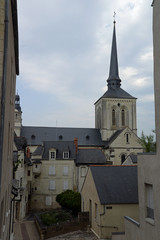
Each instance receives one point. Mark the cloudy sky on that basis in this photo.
(65, 50)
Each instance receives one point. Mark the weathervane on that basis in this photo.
(114, 16)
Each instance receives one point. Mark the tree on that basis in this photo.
(70, 200)
(148, 142)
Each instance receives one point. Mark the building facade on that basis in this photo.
(9, 68)
(148, 226)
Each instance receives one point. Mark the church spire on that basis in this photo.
(113, 79)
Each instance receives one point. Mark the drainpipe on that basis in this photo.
(4, 77)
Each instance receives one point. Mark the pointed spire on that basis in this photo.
(113, 79)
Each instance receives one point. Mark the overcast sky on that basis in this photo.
(65, 50)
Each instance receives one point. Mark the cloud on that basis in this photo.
(65, 55)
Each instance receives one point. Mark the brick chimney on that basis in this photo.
(76, 143)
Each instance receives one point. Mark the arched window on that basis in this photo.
(123, 157)
(123, 117)
(113, 117)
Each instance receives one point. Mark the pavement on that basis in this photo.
(77, 235)
(25, 230)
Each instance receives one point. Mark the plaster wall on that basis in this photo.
(41, 182)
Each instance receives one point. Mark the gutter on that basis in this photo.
(6, 23)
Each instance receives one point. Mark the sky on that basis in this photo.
(64, 57)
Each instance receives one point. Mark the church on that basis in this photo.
(60, 156)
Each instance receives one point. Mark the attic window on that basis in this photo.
(33, 136)
(87, 137)
(60, 137)
(65, 155)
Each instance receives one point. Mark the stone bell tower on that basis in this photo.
(17, 116)
(116, 109)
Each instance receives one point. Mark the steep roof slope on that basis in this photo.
(116, 184)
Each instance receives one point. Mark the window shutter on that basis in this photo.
(65, 170)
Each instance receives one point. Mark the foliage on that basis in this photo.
(53, 217)
(70, 200)
(148, 142)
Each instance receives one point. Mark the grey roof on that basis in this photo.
(133, 158)
(38, 151)
(85, 136)
(60, 148)
(114, 81)
(116, 184)
(113, 137)
(20, 142)
(90, 156)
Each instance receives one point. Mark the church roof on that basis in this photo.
(90, 156)
(116, 184)
(85, 136)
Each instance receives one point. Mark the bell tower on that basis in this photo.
(17, 116)
(116, 109)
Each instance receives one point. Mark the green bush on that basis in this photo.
(53, 217)
(70, 200)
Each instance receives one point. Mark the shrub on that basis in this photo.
(70, 200)
(53, 217)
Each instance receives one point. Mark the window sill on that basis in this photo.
(150, 221)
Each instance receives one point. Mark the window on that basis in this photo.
(123, 117)
(52, 185)
(96, 211)
(52, 170)
(29, 173)
(123, 157)
(65, 185)
(127, 138)
(52, 155)
(149, 201)
(113, 117)
(65, 155)
(83, 171)
(48, 200)
(65, 170)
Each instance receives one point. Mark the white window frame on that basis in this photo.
(65, 155)
(52, 170)
(65, 185)
(83, 171)
(52, 154)
(52, 185)
(65, 170)
(149, 201)
(48, 200)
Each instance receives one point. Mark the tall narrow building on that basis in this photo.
(116, 109)
(9, 68)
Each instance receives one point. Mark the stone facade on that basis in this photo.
(8, 71)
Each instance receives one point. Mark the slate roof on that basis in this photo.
(116, 93)
(60, 148)
(90, 156)
(86, 136)
(133, 158)
(116, 184)
(38, 151)
(20, 142)
(113, 137)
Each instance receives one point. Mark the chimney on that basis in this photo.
(28, 152)
(76, 143)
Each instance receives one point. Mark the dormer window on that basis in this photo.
(52, 154)
(65, 155)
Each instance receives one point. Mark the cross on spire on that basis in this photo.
(114, 17)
